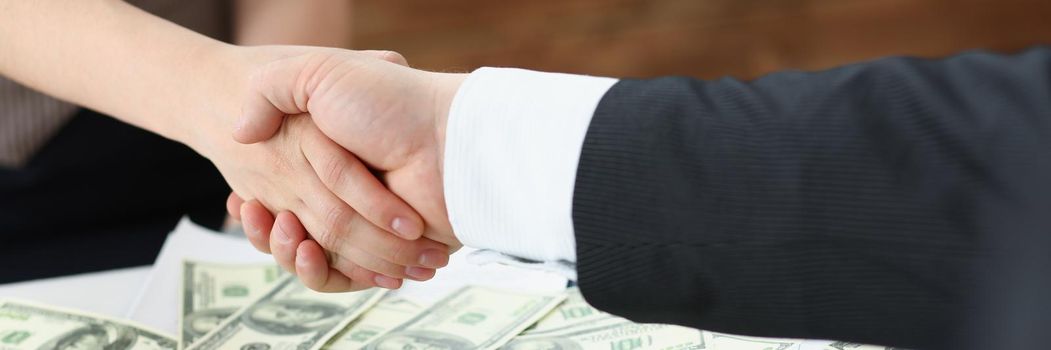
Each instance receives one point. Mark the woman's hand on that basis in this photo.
(373, 232)
(391, 116)
(280, 173)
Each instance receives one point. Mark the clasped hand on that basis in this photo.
(372, 132)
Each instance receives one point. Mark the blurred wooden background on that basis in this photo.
(701, 38)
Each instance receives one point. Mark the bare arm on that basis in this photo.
(73, 49)
(114, 58)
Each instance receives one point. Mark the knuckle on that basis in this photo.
(333, 170)
(330, 240)
(337, 219)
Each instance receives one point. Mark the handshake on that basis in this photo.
(337, 168)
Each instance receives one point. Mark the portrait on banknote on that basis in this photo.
(292, 316)
(421, 340)
(105, 336)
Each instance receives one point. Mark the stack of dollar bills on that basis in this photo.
(259, 307)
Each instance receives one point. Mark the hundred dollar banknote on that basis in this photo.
(25, 325)
(212, 292)
(574, 310)
(472, 318)
(390, 312)
(839, 345)
(576, 325)
(289, 316)
(611, 334)
(737, 342)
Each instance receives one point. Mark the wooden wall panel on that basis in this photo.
(702, 38)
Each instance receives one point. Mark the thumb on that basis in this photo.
(283, 88)
(275, 91)
(387, 55)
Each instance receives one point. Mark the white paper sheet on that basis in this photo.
(107, 292)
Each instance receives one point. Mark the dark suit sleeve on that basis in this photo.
(859, 203)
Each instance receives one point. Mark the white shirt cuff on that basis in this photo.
(513, 140)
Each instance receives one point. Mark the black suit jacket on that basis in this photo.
(897, 202)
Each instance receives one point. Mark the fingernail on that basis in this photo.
(405, 228)
(386, 282)
(433, 258)
(419, 273)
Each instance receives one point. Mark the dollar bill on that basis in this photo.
(475, 318)
(289, 316)
(212, 292)
(573, 311)
(387, 314)
(25, 325)
(611, 334)
(839, 345)
(737, 342)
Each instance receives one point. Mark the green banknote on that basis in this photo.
(387, 314)
(212, 292)
(289, 316)
(25, 325)
(573, 311)
(737, 342)
(839, 345)
(611, 334)
(472, 318)
(576, 325)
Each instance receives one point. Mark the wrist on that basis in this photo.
(222, 92)
(220, 78)
(443, 89)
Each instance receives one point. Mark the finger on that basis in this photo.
(233, 206)
(370, 248)
(258, 223)
(314, 271)
(350, 180)
(345, 243)
(285, 238)
(361, 274)
(420, 273)
(345, 231)
(373, 263)
(275, 90)
(387, 55)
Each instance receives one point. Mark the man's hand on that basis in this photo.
(291, 185)
(295, 251)
(390, 116)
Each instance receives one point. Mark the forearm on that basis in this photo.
(109, 56)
